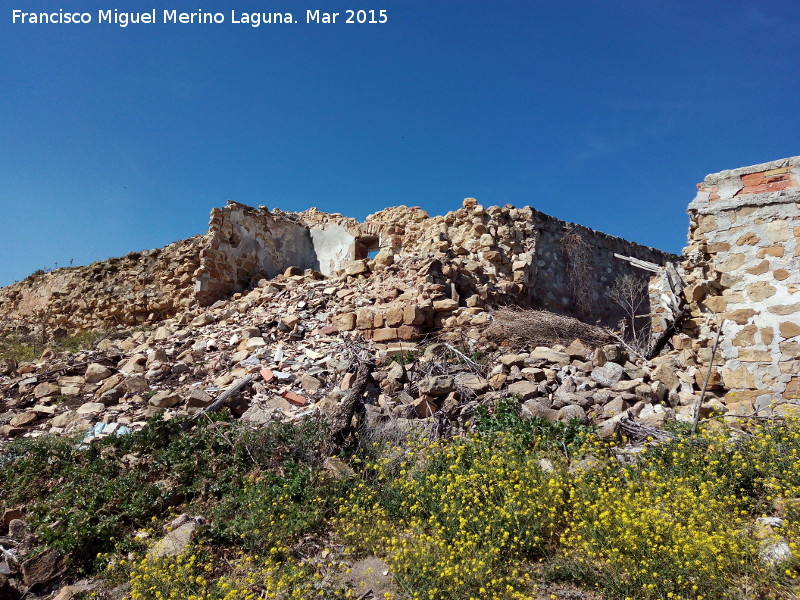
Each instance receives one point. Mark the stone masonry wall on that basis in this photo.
(426, 268)
(742, 268)
(438, 271)
(134, 289)
(245, 244)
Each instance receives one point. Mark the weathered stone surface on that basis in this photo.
(538, 409)
(174, 542)
(523, 390)
(96, 372)
(550, 355)
(42, 568)
(165, 399)
(609, 374)
(667, 376)
(472, 382)
(437, 386)
(572, 411)
(90, 408)
(24, 419)
(761, 290)
(46, 389)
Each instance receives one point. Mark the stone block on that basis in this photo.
(785, 309)
(445, 305)
(750, 355)
(408, 332)
(524, 390)
(741, 316)
(385, 334)
(394, 316)
(761, 290)
(345, 321)
(413, 315)
(789, 329)
(777, 251)
(739, 378)
(730, 263)
(364, 318)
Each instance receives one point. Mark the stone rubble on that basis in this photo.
(281, 333)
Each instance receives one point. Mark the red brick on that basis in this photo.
(295, 399)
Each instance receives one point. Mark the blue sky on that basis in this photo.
(605, 113)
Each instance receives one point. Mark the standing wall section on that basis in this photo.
(743, 270)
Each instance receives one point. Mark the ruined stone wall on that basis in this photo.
(426, 268)
(439, 271)
(131, 290)
(742, 269)
(520, 255)
(245, 244)
(576, 268)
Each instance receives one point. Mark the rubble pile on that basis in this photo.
(290, 336)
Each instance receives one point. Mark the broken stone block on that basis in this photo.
(524, 390)
(356, 267)
(538, 409)
(440, 385)
(165, 399)
(667, 376)
(445, 305)
(24, 419)
(198, 398)
(96, 372)
(310, 383)
(43, 568)
(572, 411)
(609, 374)
(46, 389)
(174, 542)
(550, 355)
(345, 321)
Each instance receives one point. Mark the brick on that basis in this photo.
(294, 398)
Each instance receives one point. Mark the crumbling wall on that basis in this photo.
(440, 271)
(576, 267)
(425, 268)
(245, 244)
(742, 269)
(140, 287)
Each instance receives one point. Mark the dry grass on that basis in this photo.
(543, 328)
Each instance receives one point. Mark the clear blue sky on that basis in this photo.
(605, 113)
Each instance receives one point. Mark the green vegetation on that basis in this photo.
(22, 347)
(493, 514)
